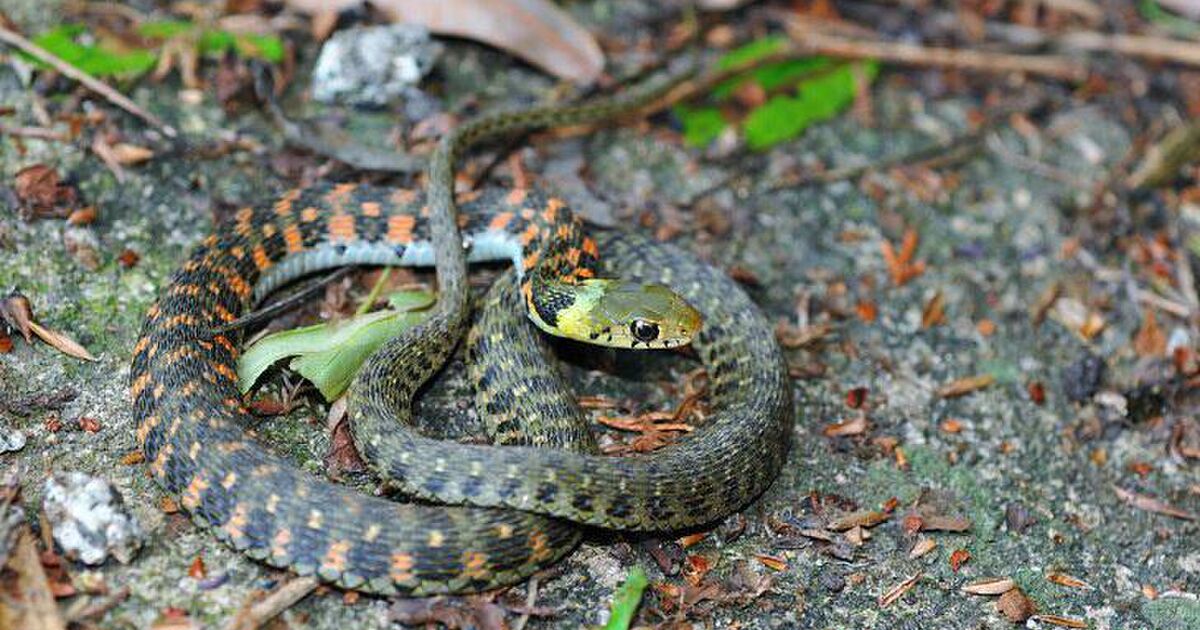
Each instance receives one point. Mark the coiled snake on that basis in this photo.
(195, 431)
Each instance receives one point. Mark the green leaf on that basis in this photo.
(701, 125)
(757, 49)
(626, 600)
(164, 29)
(330, 354)
(817, 99)
(267, 47)
(94, 59)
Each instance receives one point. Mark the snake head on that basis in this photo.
(622, 314)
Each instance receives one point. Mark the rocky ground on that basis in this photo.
(1060, 470)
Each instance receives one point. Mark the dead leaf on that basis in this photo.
(1151, 504)
(128, 154)
(898, 591)
(934, 312)
(16, 311)
(939, 523)
(41, 193)
(464, 612)
(1067, 580)
(861, 518)
(61, 342)
(82, 216)
(775, 563)
(1015, 606)
(966, 385)
(1150, 340)
(534, 30)
(34, 607)
(855, 426)
(958, 558)
(900, 265)
(89, 424)
(1058, 620)
(990, 586)
(923, 546)
(790, 336)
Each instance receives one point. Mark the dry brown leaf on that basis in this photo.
(82, 216)
(790, 336)
(127, 154)
(861, 518)
(898, 591)
(16, 311)
(775, 563)
(934, 312)
(34, 607)
(990, 586)
(1016, 606)
(1059, 620)
(61, 342)
(534, 30)
(1067, 580)
(1150, 340)
(958, 558)
(855, 426)
(966, 385)
(923, 546)
(1150, 504)
(939, 523)
(900, 265)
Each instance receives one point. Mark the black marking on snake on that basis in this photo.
(546, 492)
(340, 249)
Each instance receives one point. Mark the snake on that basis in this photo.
(503, 512)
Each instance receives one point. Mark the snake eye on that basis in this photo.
(643, 330)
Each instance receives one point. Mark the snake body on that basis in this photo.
(195, 431)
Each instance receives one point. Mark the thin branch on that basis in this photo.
(17, 41)
(255, 615)
(1056, 67)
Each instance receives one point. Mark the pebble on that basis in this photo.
(89, 519)
(373, 65)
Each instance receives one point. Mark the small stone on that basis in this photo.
(89, 519)
(373, 65)
(11, 440)
(1018, 518)
(1082, 377)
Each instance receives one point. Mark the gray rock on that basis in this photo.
(11, 440)
(89, 519)
(373, 65)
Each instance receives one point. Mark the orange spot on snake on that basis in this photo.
(261, 260)
(309, 214)
(341, 227)
(400, 229)
(371, 209)
(292, 239)
(401, 568)
(516, 196)
(500, 222)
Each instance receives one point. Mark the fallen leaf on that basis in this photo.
(83, 216)
(128, 154)
(6, 344)
(775, 563)
(40, 191)
(861, 518)
(534, 30)
(61, 342)
(990, 586)
(692, 539)
(1067, 580)
(1058, 620)
(958, 558)
(16, 311)
(866, 311)
(986, 327)
(89, 424)
(128, 258)
(939, 523)
(197, 570)
(922, 547)
(1151, 504)
(1150, 340)
(900, 265)
(966, 385)
(33, 607)
(899, 590)
(856, 397)
(132, 457)
(951, 425)
(790, 336)
(1015, 606)
(856, 426)
(1037, 392)
(934, 312)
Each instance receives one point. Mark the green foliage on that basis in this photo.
(67, 43)
(823, 88)
(626, 600)
(330, 354)
(72, 43)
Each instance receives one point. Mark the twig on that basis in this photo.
(1026, 163)
(282, 598)
(1132, 45)
(1161, 303)
(17, 41)
(86, 609)
(40, 133)
(911, 54)
(530, 600)
(287, 303)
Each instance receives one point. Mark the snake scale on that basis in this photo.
(515, 507)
